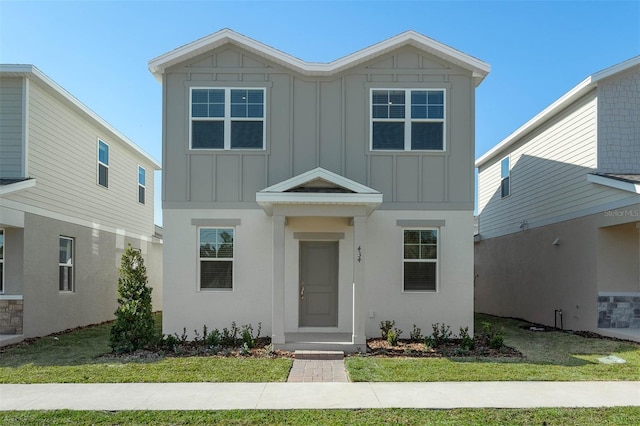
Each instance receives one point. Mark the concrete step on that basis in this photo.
(319, 355)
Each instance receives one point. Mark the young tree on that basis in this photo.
(134, 326)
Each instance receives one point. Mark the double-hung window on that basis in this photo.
(216, 258)
(420, 266)
(65, 264)
(505, 178)
(1, 261)
(141, 184)
(407, 119)
(103, 164)
(225, 118)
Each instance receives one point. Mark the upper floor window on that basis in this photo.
(141, 184)
(103, 164)
(216, 255)
(227, 118)
(65, 264)
(420, 247)
(1, 261)
(505, 178)
(407, 120)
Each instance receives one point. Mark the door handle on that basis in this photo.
(301, 291)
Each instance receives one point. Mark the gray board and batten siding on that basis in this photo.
(319, 121)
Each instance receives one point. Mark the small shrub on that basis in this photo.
(245, 350)
(270, 350)
(214, 338)
(441, 334)
(392, 337)
(169, 342)
(497, 341)
(494, 338)
(415, 334)
(184, 337)
(247, 334)
(466, 341)
(385, 327)
(230, 337)
(429, 342)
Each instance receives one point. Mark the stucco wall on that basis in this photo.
(97, 258)
(524, 275)
(251, 299)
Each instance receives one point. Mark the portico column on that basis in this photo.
(277, 315)
(359, 256)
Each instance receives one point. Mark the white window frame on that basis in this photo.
(209, 259)
(407, 118)
(4, 247)
(142, 186)
(69, 264)
(436, 261)
(506, 178)
(102, 164)
(227, 119)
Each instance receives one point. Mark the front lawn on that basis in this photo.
(618, 416)
(80, 357)
(548, 356)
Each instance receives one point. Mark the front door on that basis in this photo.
(318, 287)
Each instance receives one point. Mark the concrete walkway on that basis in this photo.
(225, 396)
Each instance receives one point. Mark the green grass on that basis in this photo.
(78, 357)
(551, 416)
(549, 356)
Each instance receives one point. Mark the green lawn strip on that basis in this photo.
(549, 416)
(548, 356)
(362, 369)
(167, 370)
(78, 357)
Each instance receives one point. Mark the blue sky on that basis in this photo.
(98, 50)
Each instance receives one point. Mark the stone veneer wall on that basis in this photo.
(618, 311)
(11, 316)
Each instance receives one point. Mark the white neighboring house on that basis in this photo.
(73, 193)
(559, 211)
(318, 198)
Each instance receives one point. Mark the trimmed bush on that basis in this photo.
(133, 328)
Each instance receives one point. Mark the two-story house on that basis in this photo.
(318, 199)
(559, 211)
(73, 193)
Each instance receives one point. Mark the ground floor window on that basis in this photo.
(420, 266)
(65, 264)
(216, 256)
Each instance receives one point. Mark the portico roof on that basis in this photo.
(319, 187)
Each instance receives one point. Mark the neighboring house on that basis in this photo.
(318, 198)
(73, 193)
(559, 211)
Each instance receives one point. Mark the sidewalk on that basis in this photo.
(226, 396)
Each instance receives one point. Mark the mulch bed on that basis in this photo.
(407, 348)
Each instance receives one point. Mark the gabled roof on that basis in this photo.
(625, 182)
(9, 185)
(31, 72)
(354, 194)
(479, 68)
(567, 99)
